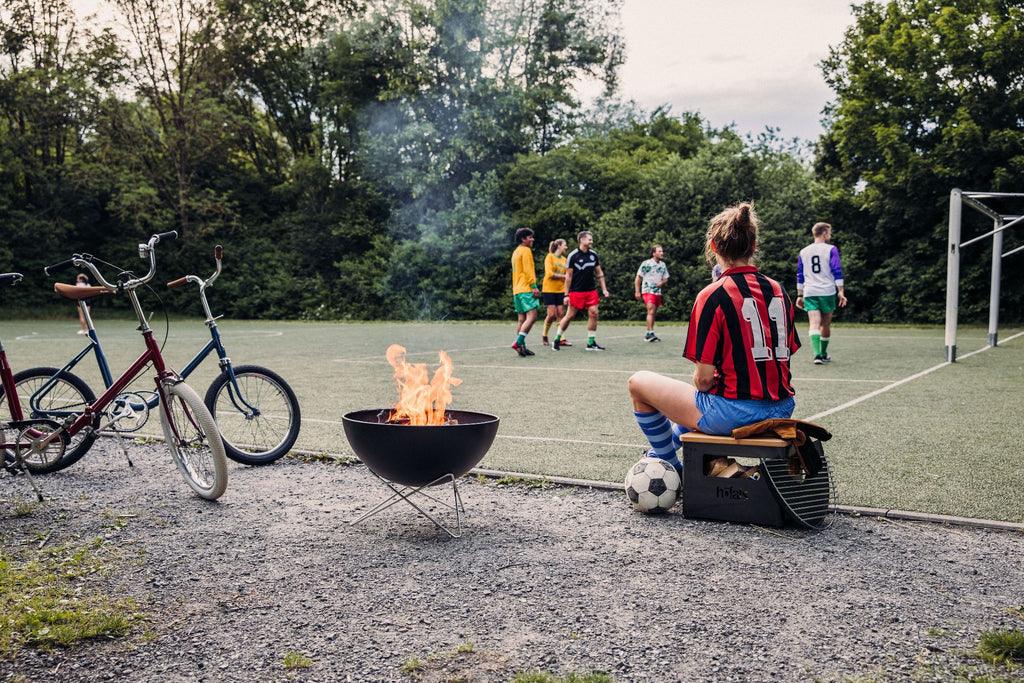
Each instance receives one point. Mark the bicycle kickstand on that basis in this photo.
(121, 443)
(28, 475)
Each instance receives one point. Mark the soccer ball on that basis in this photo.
(652, 485)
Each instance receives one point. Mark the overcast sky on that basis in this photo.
(748, 62)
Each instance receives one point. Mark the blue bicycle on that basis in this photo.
(254, 407)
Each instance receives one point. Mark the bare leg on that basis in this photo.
(530, 318)
(674, 399)
(826, 323)
(569, 315)
(651, 310)
(592, 319)
(520, 318)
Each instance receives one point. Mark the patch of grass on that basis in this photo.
(543, 677)
(296, 660)
(525, 482)
(1002, 646)
(413, 666)
(45, 601)
(464, 648)
(23, 508)
(935, 632)
(322, 458)
(146, 440)
(1017, 611)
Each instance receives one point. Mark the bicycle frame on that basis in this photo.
(215, 345)
(94, 347)
(10, 391)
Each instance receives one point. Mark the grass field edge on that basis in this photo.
(850, 510)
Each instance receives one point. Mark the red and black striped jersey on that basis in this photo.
(743, 325)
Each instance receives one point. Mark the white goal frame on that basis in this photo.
(1001, 223)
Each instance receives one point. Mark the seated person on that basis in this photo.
(740, 336)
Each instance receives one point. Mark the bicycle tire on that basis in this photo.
(194, 441)
(236, 446)
(81, 442)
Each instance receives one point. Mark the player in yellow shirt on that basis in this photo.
(553, 288)
(525, 295)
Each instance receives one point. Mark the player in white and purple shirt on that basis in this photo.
(820, 288)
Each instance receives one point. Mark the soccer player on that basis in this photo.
(819, 288)
(650, 278)
(553, 288)
(582, 272)
(740, 338)
(525, 295)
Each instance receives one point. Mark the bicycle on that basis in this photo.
(189, 429)
(255, 408)
(17, 433)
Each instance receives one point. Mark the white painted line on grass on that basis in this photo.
(515, 438)
(451, 351)
(35, 336)
(898, 383)
(556, 440)
(557, 368)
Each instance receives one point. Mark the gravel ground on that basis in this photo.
(558, 580)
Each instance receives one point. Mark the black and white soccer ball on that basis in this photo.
(652, 485)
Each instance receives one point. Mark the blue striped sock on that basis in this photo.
(677, 434)
(658, 430)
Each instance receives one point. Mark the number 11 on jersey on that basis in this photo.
(777, 313)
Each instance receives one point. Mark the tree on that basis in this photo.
(928, 97)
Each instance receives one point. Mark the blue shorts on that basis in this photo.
(722, 415)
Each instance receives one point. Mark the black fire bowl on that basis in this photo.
(414, 455)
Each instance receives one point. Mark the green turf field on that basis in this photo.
(948, 441)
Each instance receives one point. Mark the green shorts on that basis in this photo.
(825, 304)
(525, 302)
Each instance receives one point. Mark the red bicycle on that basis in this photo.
(189, 430)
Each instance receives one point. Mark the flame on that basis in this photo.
(421, 402)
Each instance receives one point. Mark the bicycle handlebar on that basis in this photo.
(10, 278)
(147, 250)
(56, 267)
(174, 284)
(218, 254)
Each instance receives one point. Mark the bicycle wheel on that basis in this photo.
(65, 394)
(194, 441)
(259, 439)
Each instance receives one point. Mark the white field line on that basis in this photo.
(516, 438)
(555, 368)
(37, 337)
(377, 356)
(898, 383)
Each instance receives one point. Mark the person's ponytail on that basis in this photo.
(732, 234)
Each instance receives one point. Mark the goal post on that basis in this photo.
(1000, 223)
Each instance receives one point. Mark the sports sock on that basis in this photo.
(590, 339)
(547, 327)
(658, 430)
(815, 336)
(521, 339)
(560, 333)
(824, 346)
(677, 435)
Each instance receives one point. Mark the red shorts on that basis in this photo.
(583, 300)
(655, 299)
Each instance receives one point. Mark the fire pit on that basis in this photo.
(420, 443)
(416, 456)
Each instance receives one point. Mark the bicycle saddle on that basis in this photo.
(76, 293)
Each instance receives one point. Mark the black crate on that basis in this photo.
(737, 499)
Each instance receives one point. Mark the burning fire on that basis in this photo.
(421, 402)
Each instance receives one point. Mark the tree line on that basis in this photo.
(372, 159)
